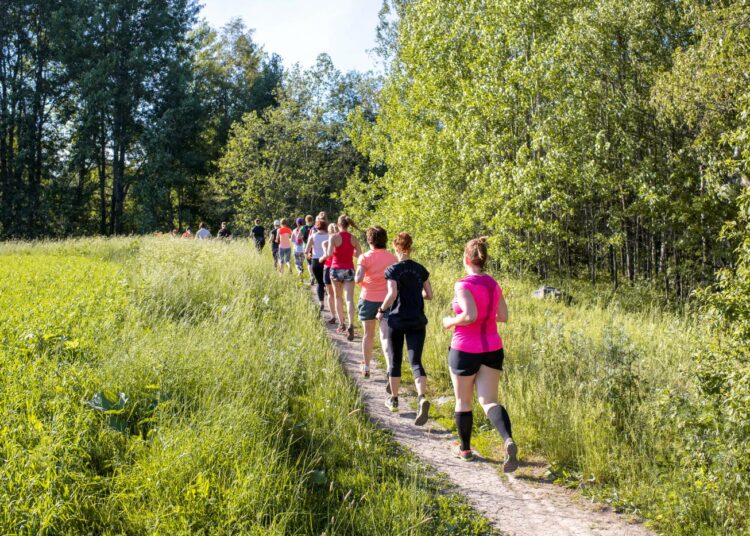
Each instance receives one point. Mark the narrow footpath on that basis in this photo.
(515, 506)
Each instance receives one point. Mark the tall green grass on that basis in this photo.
(238, 420)
(592, 387)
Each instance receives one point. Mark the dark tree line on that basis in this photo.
(112, 114)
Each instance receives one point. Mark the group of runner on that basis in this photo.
(391, 308)
(203, 232)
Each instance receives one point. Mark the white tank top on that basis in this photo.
(318, 239)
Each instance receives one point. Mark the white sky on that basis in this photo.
(299, 30)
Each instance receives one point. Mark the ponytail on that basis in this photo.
(476, 252)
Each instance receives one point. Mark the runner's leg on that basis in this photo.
(368, 340)
(463, 390)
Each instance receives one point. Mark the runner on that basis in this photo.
(408, 287)
(299, 246)
(203, 233)
(315, 251)
(187, 233)
(284, 240)
(224, 231)
(259, 234)
(476, 353)
(342, 247)
(371, 277)
(274, 235)
(307, 229)
(327, 261)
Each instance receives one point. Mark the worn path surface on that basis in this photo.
(514, 505)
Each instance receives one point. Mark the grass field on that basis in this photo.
(171, 387)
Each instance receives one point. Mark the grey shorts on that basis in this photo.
(367, 310)
(341, 276)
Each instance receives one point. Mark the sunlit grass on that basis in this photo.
(239, 418)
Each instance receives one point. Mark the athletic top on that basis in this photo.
(317, 249)
(481, 335)
(258, 233)
(202, 234)
(274, 233)
(343, 254)
(299, 244)
(375, 262)
(410, 277)
(285, 238)
(224, 233)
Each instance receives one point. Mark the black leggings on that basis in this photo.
(414, 346)
(317, 270)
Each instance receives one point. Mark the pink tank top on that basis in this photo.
(343, 254)
(481, 335)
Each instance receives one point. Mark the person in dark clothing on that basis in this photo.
(259, 235)
(403, 307)
(224, 231)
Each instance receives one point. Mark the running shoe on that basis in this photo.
(365, 370)
(350, 333)
(511, 462)
(463, 455)
(423, 410)
(392, 403)
(341, 329)
(332, 320)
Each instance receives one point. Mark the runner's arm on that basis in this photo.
(468, 310)
(427, 290)
(502, 310)
(389, 298)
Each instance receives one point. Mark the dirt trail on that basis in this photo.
(515, 505)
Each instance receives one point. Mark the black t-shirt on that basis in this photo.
(223, 233)
(259, 233)
(274, 232)
(306, 233)
(410, 277)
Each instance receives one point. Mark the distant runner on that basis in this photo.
(408, 287)
(259, 235)
(327, 261)
(275, 243)
(284, 240)
(343, 246)
(316, 252)
(298, 240)
(224, 231)
(476, 352)
(203, 233)
(187, 233)
(370, 276)
(307, 230)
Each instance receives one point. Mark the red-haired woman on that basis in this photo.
(403, 306)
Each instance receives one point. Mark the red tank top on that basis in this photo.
(342, 255)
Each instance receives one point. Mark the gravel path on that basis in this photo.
(515, 505)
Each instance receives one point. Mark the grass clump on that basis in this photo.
(238, 417)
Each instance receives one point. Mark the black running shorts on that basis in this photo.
(467, 363)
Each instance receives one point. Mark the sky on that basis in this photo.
(299, 30)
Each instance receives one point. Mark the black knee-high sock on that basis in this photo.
(464, 422)
(501, 421)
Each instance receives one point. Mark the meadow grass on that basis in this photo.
(593, 387)
(238, 417)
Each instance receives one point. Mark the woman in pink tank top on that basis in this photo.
(476, 353)
(342, 248)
